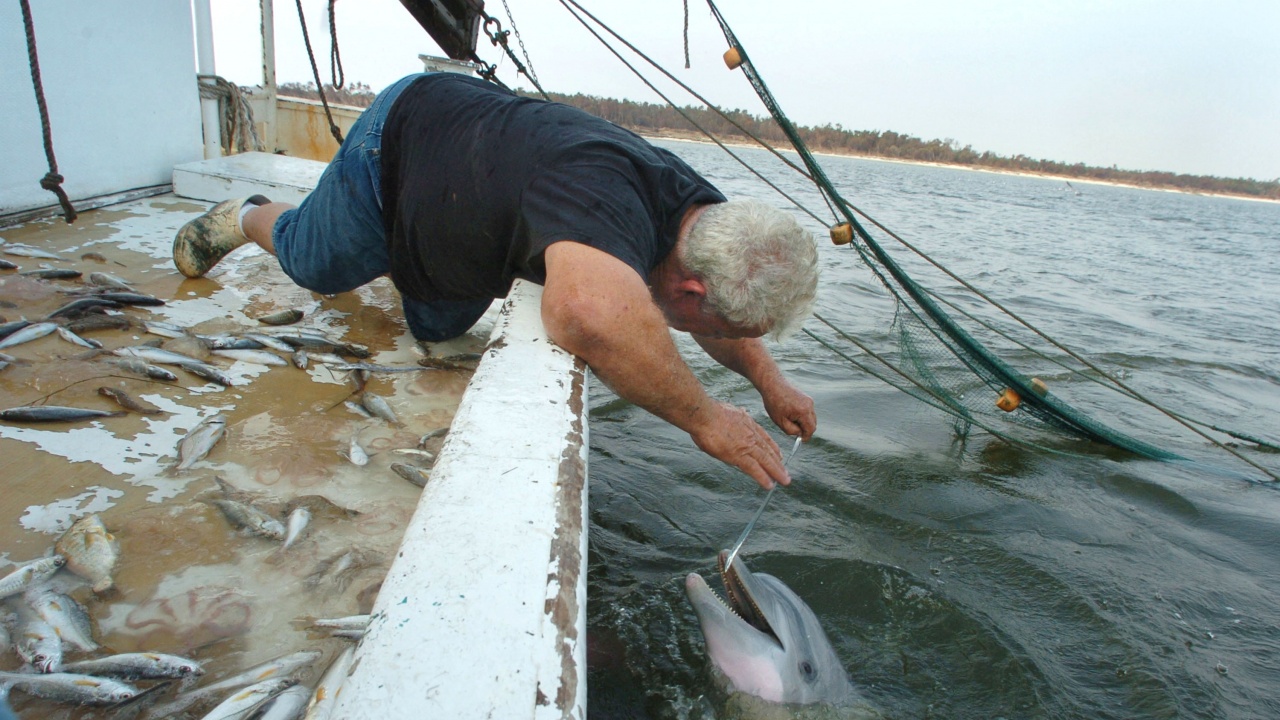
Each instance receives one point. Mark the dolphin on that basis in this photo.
(766, 642)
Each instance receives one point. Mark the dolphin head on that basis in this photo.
(766, 641)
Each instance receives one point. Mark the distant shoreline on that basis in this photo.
(690, 137)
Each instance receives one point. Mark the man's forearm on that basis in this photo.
(748, 357)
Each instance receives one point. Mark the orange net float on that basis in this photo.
(1008, 400)
(842, 234)
(732, 58)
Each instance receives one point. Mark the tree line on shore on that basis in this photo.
(658, 119)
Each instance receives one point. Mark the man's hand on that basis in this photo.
(789, 408)
(734, 438)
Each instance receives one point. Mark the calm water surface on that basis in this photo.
(969, 578)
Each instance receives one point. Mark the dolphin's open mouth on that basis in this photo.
(739, 597)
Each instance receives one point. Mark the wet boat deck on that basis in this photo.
(188, 583)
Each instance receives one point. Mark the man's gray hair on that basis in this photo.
(760, 267)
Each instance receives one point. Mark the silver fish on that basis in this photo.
(90, 551)
(32, 573)
(125, 401)
(301, 359)
(52, 273)
(239, 704)
(414, 474)
(348, 623)
(155, 355)
(28, 251)
(139, 366)
(281, 667)
(261, 357)
(65, 615)
(38, 644)
(208, 372)
(75, 339)
(288, 705)
(426, 455)
(357, 408)
(108, 280)
(251, 518)
(284, 317)
(371, 367)
(230, 342)
(355, 453)
(201, 439)
(339, 569)
(299, 519)
(138, 666)
(70, 688)
(54, 413)
(164, 329)
(438, 432)
(329, 688)
(379, 406)
(29, 333)
(270, 342)
(325, 358)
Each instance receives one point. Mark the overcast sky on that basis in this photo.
(1178, 85)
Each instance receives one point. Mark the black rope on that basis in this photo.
(686, 34)
(333, 127)
(51, 181)
(335, 57)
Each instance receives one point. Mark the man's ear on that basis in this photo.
(692, 286)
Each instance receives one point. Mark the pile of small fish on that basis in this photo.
(53, 632)
(45, 624)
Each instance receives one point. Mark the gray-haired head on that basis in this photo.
(760, 267)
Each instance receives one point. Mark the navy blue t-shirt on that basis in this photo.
(477, 182)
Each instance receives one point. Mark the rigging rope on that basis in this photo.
(924, 319)
(306, 39)
(239, 133)
(51, 181)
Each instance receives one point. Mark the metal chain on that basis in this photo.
(528, 62)
(51, 181)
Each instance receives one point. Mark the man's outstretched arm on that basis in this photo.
(788, 407)
(598, 308)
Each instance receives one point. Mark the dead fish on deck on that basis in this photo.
(329, 687)
(27, 333)
(90, 551)
(297, 522)
(69, 688)
(269, 342)
(99, 322)
(164, 329)
(131, 298)
(107, 280)
(379, 406)
(6, 265)
(313, 341)
(240, 704)
(127, 402)
(19, 250)
(249, 517)
(443, 364)
(284, 317)
(81, 306)
(201, 439)
(13, 326)
(155, 355)
(339, 569)
(207, 372)
(55, 413)
(52, 273)
(138, 366)
(75, 339)
(138, 666)
(351, 626)
(355, 453)
(321, 506)
(260, 357)
(39, 645)
(30, 574)
(371, 367)
(414, 474)
(290, 704)
(96, 257)
(281, 667)
(65, 615)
